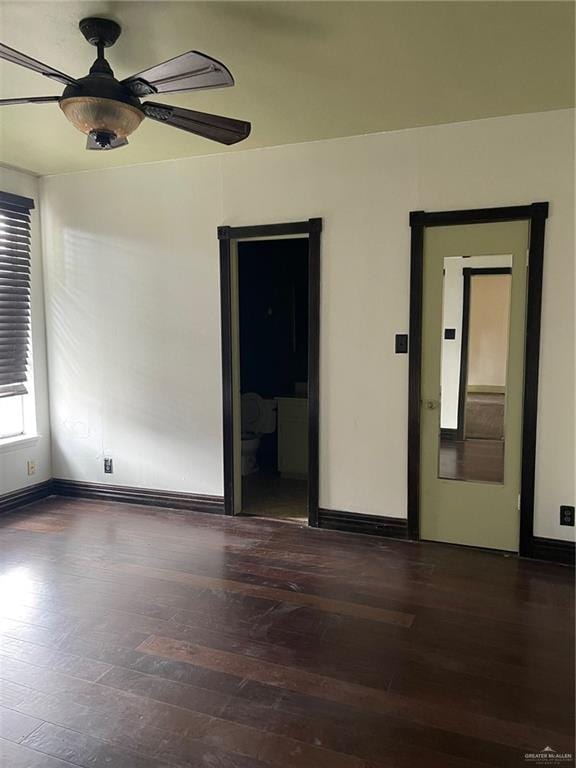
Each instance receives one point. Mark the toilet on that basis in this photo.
(258, 418)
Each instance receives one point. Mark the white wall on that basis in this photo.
(488, 332)
(131, 261)
(14, 459)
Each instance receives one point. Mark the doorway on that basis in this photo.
(273, 352)
(475, 319)
(270, 291)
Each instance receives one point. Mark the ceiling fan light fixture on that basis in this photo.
(108, 110)
(91, 114)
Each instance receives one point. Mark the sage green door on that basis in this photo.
(473, 333)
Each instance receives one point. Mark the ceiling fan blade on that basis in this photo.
(191, 71)
(91, 143)
(29, 100)
(226, 130)
(9, 54)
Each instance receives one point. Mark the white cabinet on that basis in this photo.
(293, 436)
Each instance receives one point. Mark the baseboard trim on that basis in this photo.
(552, 550)
(24, 496)
(192, 502)
(391, 527)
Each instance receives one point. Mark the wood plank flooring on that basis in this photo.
(135, 637)
(475, 460)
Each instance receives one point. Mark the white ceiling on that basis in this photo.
(304, 70)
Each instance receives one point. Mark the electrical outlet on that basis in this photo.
(108, 466)
(31, 467)
(566, 515)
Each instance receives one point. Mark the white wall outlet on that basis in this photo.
(31, 466)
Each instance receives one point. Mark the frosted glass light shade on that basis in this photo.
(89, 113)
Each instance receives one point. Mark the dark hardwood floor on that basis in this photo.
(135, 637)
(474, 460)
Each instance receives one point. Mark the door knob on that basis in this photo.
(431, 405)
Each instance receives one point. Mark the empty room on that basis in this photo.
(287, 384)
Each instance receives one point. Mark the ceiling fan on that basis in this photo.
(109, 110)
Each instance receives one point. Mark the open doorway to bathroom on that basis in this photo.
(270, 290)
(273, 331)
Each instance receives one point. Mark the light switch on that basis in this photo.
(401, 345)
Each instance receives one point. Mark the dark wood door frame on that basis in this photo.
(536, 214)
(313, 229)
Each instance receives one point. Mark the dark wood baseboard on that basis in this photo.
(392, 527)
(27, 495)
(553, 550)
(126, 494)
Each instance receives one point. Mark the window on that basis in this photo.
(14, 311)
(11, 416)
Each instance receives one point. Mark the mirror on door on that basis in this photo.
(475, 331)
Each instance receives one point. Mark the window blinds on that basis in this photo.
(14, 292)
